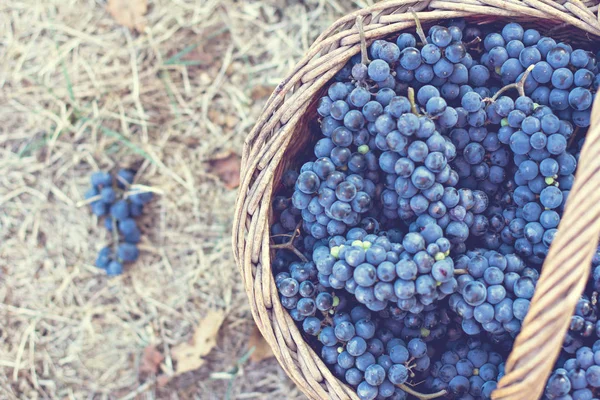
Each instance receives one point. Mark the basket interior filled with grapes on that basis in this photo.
(419, 210)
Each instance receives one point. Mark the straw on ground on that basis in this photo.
(80, 93)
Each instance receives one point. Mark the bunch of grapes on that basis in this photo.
(379, 270)
(467, 368)
(494, 293)
(579, 377)
(584, 324)
(365, 352)
(114, 199)
(543, 176)
(408, 243)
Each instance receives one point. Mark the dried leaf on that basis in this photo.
(200, 56)
(162, 380)
(223, 119)
(227, 167)
(129, 13)
(190, 141)
(190, 356)
(151, 360)
(262, 350)
(261, 92)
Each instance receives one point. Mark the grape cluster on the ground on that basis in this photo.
(409, 240)
(113, 199)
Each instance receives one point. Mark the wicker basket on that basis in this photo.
(282, 131)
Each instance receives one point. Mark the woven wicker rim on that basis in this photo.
(281, 130)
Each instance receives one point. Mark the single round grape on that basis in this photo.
(510, 70)
(356, 346)
(436, 106)
(406, 40)
(101, 178)
(443, 68)
(306, 306)
(114, 268)
(366, 391)
(558, 57)
(580, 99)
(127, 252)
(512, 31)
(529, 56)
(524, 287)
(308, 182)
(410, 58)
(398, 374)
(375, 375)
(492, 40)
(583, 78)
(474, 153)
(378, 70)
(551, 197)
(389, 52)
(399, 354)
(514, 48)
(474, 293)
(562, 78)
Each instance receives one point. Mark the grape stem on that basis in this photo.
(281, 235)
(573, 137)
(327, 320)
(364, 56)
(460, 272)
(122, 181)
(520, 86)
(138, 189)
(290, 244)
(422, 396)
(115, 235)
(88, 201)
(473, 42)
(413, 105)
(420, 31)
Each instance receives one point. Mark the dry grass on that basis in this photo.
(79, 93)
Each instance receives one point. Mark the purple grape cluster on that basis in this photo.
(407, 270)
(110, 197)
(540, 185)
(584, 324)
(365, 350)
(469, 369)
(579, 377)
(408, 242)
(494, 293)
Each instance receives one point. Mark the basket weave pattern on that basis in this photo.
(281, 131)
